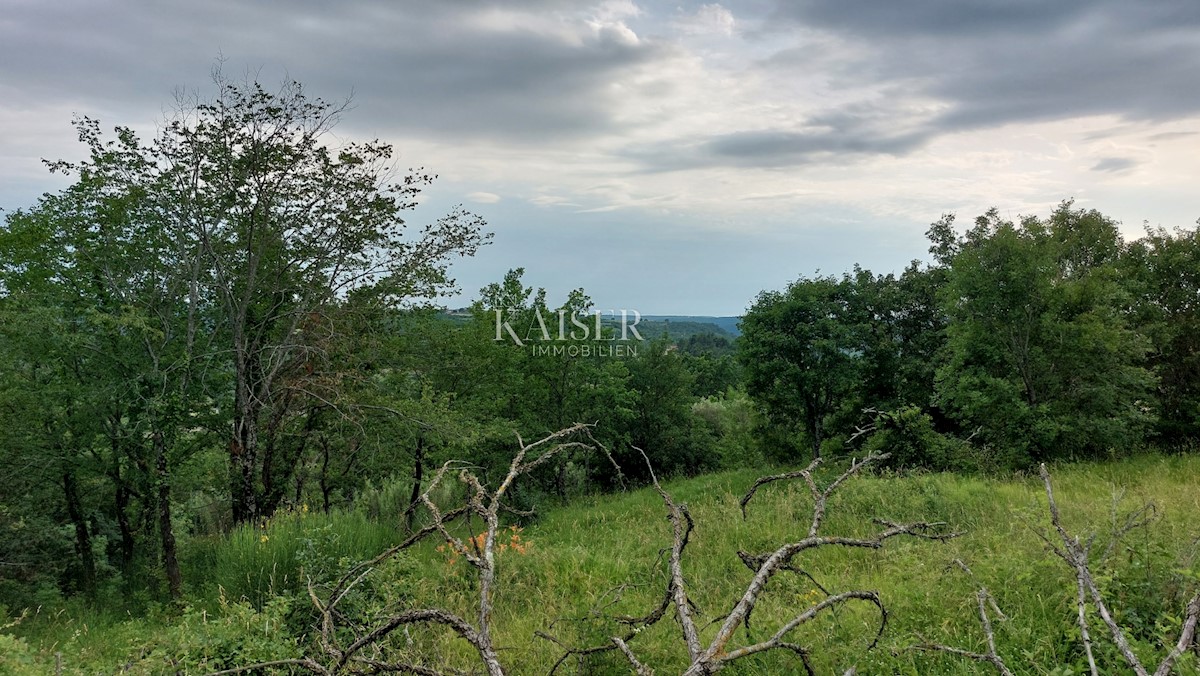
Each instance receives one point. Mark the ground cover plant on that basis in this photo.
(580, 565)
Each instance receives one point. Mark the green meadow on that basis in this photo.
(581, 564)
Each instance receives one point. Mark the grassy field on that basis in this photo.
(600, 557)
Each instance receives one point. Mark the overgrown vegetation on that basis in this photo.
(566, 584)
(223, 376)
(1048, 338)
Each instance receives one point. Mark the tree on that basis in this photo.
(1163, 273)
(1040, 357)
(801, 354)
(553, 373)
(662, 417)
(275, 236)
(903, 329)
(101, 351)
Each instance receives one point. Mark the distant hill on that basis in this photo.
(682, 326)
(678, 327)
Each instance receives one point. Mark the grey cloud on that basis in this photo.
(885, 18)
(772, 149)
(1001, 61)
(1115, 164)
(973, 19)
(1172, 135)
(865, 128)
(422, 66)
(783, 147)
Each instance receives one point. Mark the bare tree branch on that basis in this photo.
(480, 553)
(983, 599)
(638, 667)
(716, 655)
(1075, 554)
(1187, 637)
(681, 524)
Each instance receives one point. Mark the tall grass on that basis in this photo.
(256, 562)
(601, 556)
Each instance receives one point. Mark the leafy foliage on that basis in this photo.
(1163, 269)
(1040, 356)
(802, 354)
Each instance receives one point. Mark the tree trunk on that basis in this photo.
(813, 415)
(166, 530)
(281, 458)
(243, 443)
(83, 538)
(410, 514)
(127, 541)
(323, 478)
(121, 506)
(243, 451)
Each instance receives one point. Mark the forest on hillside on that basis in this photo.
(233, 324)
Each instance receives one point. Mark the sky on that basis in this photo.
(668, 157)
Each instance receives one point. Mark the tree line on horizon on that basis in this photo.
(1021, 342)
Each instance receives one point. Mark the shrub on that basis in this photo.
(908, 435)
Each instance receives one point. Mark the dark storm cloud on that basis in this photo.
(450, 68)
(1001, 61)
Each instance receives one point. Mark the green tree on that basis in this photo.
(802, 354)
(1163, 269)
(100, 346)
(1040, 357)
(902, 329)
(556, 375)
(663, 424)
(276, 233)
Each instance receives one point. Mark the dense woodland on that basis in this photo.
(233, 321)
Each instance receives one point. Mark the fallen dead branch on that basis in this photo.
(708, 656)
(984, 600)
(343, 646)
(1076, 553)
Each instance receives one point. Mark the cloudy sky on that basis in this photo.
(670, 157)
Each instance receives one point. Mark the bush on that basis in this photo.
(16, 657)
(908, 435)
(729, 419)
(237, 635)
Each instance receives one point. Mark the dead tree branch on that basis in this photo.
(983, 600)
(717, 653)
(638, 667)
(338, 655)
(1076, 555)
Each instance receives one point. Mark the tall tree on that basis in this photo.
(93, 269)
(557, 371)
(276, 232)
(801, 350)
(1163, 269)
(1040, 357)
(662, 423)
